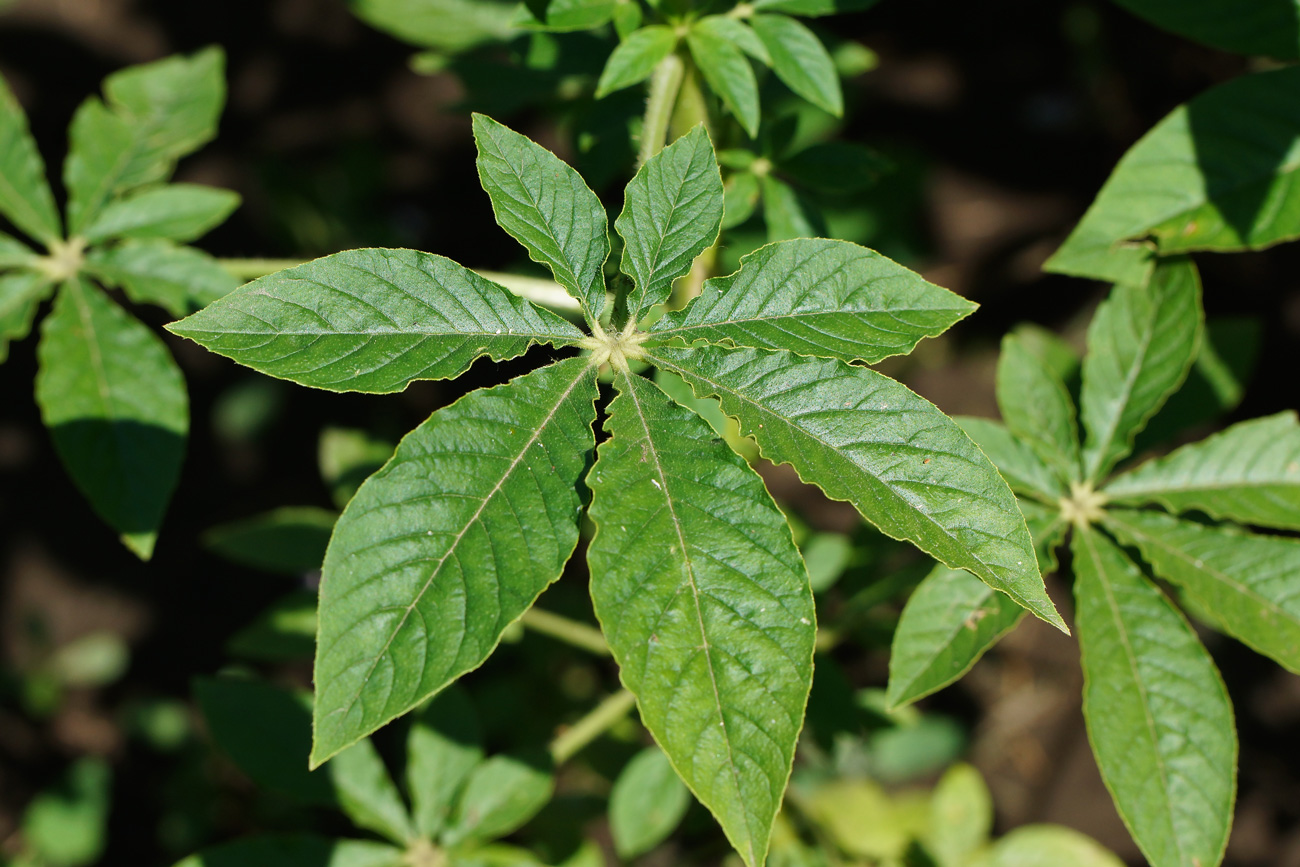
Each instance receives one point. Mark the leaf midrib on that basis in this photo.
(473, 519)
(699, 613)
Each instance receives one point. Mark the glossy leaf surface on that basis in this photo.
(705, 603)
(442, 750)
(546, 206)
(818, 297)
(447, 545)
(1248, 581)
(116, 407)
(671, 214)
(1248, 473)
(1158, 715)
(371, 320)
(864, 438)
(1141, 344)
(296, 850)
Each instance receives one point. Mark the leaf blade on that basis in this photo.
(800, 60)
(1260, 28)
(1248, 581)
(25, 196)
(21, 295)
(117, 409)
(1248, 473)
(671, 214)
(531, 190)
(715, 638)
(647, 802)
(1158, 715)
(1037, 409)
(634, 59)
(396, 661)
(175, 212)
(814, 414)
(1141, 344)
(818, 297)
(371, 320)
(728, 74)
(1024, 470)
(177, 279)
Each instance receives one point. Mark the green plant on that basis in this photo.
(109, 392)
(65, 825)
(1158, 714)
(701, 593)
(460, 800)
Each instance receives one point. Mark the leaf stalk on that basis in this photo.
(598, 720)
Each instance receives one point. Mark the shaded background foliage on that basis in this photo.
(1003, 118)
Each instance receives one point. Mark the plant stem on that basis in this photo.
(545, 293)
(598, 720)
(665, 83)
(571, 632)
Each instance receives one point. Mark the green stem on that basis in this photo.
(598, 720)
(571, 632)
(665, 83)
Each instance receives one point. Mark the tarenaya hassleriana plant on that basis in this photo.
(109, 392)
(1157, 712)
(696, 581)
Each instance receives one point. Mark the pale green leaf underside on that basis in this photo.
(372, 320)
(443, 748)
(728, 74)
(1036, 408)
(818, 297)
(546, 206)
(1218, 173)
(101, 145)
(447, 545)
(1141, 344)
(176, 212)
(21, 294)
(632, 61)
(951, 619)
(1024, 471)
(116, 407)
(296, 850)
(706, 606)
(1248, 473)
(800, 60)
(25, 197)
(646, 803)
(1249, 582)
(178, 279)
(1267, 27)
(864, 438)
(1158, 715)
(671, 214)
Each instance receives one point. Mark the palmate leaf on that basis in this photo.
(671, 214)
(14, 253)
(1217, 174)
(442, 750)
(1247, 581)
(800, 60)
(1141, 344)
(1036, 408)
(116, 407)
(546, 206)
(1267, 27)
(1248, 473)
(864, 438)
(372, 320)
(818, 297)
(1158, 715)
(499, 796)
(25, 197)
(447, 545)
(706, 606)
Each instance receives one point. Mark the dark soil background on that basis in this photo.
(1013, 112)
